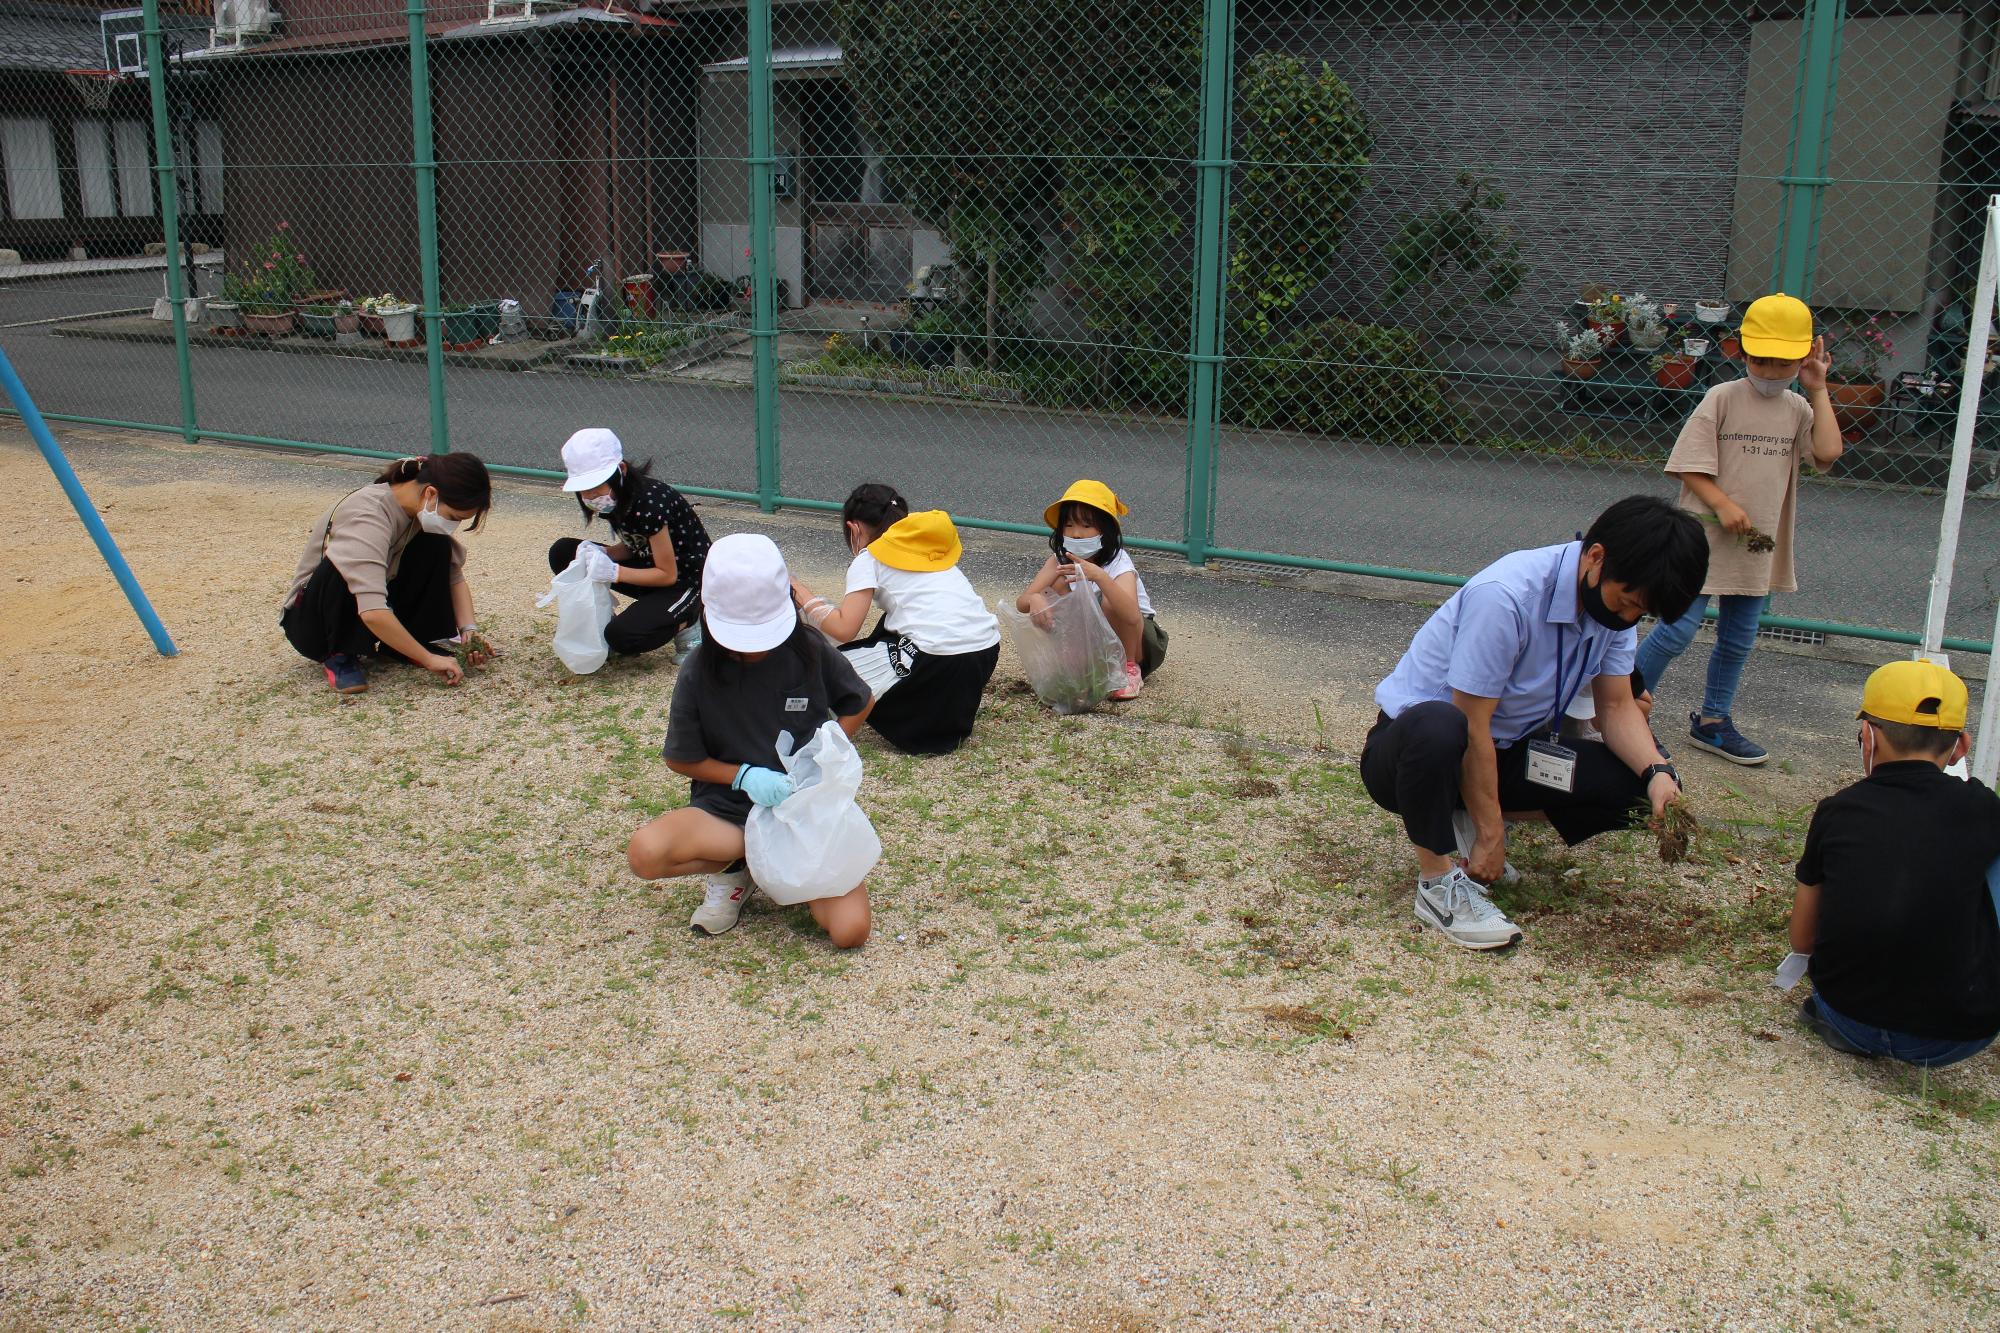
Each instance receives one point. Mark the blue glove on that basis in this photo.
(765, 786)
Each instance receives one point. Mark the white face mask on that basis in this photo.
(603, 504)
(1083, 547)
(1768, 388)
(431, 521)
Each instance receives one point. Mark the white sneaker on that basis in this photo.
(1459, 909)
(1467, 833)
(721, 903)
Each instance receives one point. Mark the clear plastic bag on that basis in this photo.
(817, 842)
(1077, 660)
(583, 609)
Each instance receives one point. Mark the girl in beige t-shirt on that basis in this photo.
(1738, 460)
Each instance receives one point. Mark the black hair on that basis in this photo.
(1919, 741)
(624, 487)
(461, 481)
(1655, 549)
(804, 642)
(1107, 528)
(875, 507)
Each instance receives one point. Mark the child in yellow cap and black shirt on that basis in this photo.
(930, 658)
(1737, 460)
(1895, 905)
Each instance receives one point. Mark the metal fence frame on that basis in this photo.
(1802, 188)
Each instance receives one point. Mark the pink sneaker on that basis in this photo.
(1133, 680)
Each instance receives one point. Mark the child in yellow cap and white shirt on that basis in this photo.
(930, 658)
(1738, 460)
(1088, 547)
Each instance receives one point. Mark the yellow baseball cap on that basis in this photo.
(1919, 694)
(922, 543)
(1093, 493)
(1777, 326)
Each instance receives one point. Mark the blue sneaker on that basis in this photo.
(344, 673)
(1724, 739)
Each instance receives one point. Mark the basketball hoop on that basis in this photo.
(92, 86)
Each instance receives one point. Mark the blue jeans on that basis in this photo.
(1735, 633)
(1930, 1052)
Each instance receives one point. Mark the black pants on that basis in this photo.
(1411, 768)
(931, 709)
(654, 616)
(325, 620)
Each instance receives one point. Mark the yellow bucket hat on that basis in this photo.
(1093, 493)
(922, 543)
(1920, 694)
(1778, 326)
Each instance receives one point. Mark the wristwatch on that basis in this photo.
(1646, 777)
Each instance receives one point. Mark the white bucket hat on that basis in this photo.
(591, 456)
(746, 592)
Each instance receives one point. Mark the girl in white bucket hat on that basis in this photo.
(760, 673)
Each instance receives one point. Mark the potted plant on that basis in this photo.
(673, 261)
(321, 318)
(1582, 351)
(368, 311)
(1674, 367)
(1605, 314)
(1711, 312)
(399, 322)
(1854, 382)
(1645, 322)
(268, 283)
(470, 322)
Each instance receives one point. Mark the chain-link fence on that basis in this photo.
(1376, 287)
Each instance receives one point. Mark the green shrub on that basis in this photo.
(1339, 377)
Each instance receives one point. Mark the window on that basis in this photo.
(208, 152)
(93, 169)
(33, 188)
(135, 174)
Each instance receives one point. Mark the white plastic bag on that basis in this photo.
(583, 609)
(817, 842)
(1077, 660)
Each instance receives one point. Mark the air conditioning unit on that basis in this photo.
(237, 21)
(517, 11)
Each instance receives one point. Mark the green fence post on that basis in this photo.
(1211, 248)
(170, 212)
(760, 166)
(1803, 186)
(423, 163)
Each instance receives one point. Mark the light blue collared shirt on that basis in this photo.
(1508, 634)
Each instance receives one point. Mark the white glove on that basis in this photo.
(598, 565)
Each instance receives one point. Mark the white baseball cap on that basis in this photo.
(746, 593)
(591, 455)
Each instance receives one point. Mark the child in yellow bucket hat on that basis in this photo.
(1895, 907)
(1088, 547)
(930, 658)
(1737, 460)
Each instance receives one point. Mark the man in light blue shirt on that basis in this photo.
(1467, 738)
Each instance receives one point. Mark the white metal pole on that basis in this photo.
(1961, 443)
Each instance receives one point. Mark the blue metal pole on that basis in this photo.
(31, 417)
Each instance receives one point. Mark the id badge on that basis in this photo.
(1552, 766)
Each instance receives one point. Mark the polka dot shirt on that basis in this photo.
(656, 505)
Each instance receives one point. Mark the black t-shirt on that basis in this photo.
(738, 716)
(1907, 937)
(656, 505)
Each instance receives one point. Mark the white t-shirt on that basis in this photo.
(1122, 564)
(938, 611)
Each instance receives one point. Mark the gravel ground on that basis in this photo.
(348, 1014)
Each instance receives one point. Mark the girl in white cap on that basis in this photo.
(660, 548)
(761, 672)
(929, 660)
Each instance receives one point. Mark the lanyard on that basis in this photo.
(1566, 697)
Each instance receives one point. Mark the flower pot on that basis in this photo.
(317, 326)
(1611, 333)
(225, 315)
(371, 323)
(1855, 406)
(673, 261)
(327, 296)
(1676, 372)
(347, 321)
(1711, 312)
(475, 324)
(639, 296)
(1732, 347)
(1580, 370)
(273, 321)
(399, 323)
(1646, 337)
(1695, 347)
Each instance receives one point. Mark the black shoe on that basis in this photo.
(1810, 1017)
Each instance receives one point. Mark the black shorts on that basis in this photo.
(935, 701)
